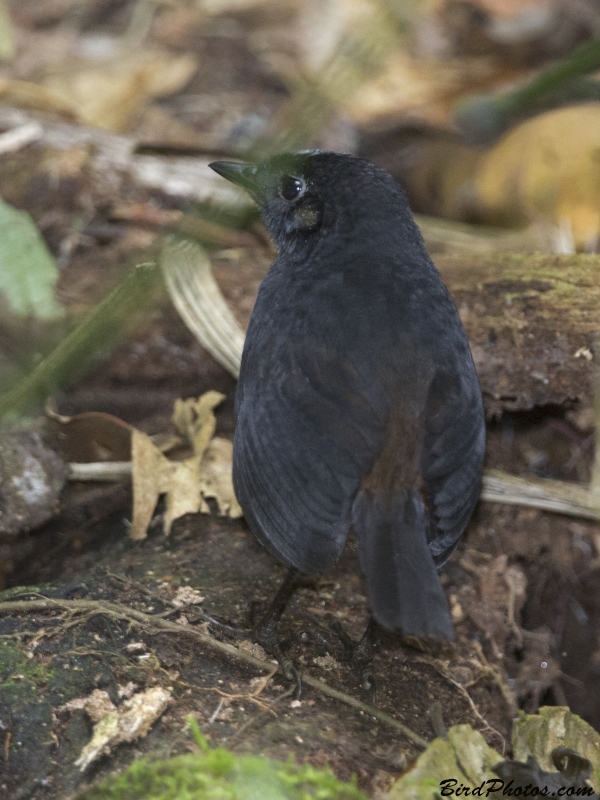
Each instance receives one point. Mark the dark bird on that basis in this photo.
(358, 405)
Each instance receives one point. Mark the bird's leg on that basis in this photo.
(357, 653)
(265, 633)
(362, 653)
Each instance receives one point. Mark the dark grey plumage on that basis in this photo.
(358, 404)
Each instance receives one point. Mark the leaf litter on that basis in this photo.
(189, 483)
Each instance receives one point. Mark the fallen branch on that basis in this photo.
(100, 471)
(158, 624)
(114, 159)
(558, 497)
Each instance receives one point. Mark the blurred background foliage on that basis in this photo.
(487, 111)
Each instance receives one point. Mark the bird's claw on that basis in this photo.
(288, 668)
(358, 655)
(265, 634)
(292, 673)
(367, 681)
(347, 643)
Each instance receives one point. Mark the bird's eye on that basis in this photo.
(291, 187)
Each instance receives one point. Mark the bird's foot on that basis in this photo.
(266, 635)
(359, 654)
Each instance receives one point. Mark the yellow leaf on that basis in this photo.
(150, 477)
(216, 480)
(187, 483)
(547, 168)
(194, 418)
(112, 94)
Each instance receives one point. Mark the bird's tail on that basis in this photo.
(404, 588)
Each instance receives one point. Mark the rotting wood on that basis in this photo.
(532, 322)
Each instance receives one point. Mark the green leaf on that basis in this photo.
(7, 41)
(464, 756)
(28, 274)
(116, 314)
(222, 775)
(554, 726)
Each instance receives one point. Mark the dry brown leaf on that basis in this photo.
(424, 90)
(131, 720)
(150, 471)
(194, 418)
(94, 436)
(187, 483)
(547, 168)
(215, 477)
(111, 94)
(23, 94)
(154, 475)
(183, 491)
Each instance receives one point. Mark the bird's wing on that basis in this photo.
(306, 433)
(452, 456)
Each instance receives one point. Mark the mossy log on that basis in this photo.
(533, 323)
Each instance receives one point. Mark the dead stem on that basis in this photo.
(559, 497)
(441, 670)
(260, 716)
(173, 608)
(151, 622)
(487, 670)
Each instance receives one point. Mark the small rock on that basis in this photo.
(32, 475)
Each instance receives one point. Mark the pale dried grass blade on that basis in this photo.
(198, 299)
(557, 496)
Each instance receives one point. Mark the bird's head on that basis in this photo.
(309, 194)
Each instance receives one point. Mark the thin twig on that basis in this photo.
(476, 711)
(217, 710)
(487, 670)
(118, 611)
(438, 667)
(173, 607)
(261, 715)
(100, 471)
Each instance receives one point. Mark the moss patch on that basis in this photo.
(221, 775)
(16, 667)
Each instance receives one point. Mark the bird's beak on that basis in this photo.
(243, 175)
